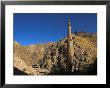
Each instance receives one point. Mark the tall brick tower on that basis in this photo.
(70, 48)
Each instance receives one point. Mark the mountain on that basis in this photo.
(51, 58)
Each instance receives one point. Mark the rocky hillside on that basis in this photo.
(51, 58)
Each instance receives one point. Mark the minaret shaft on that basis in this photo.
(69, 29)
(70, 41)
(70, 48)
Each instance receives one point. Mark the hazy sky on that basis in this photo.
(34, 28)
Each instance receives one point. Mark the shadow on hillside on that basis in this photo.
(18, 72)
(92, 71)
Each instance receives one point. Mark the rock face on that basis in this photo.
(51, 58)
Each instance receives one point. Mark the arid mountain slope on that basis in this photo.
(52, 58)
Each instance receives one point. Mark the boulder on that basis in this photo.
(78, 54)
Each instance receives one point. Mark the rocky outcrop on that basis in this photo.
(29, 70)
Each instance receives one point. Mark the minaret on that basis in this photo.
(70, 48)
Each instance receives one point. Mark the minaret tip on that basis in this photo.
(69, 21)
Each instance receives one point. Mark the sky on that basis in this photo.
(37, 28)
